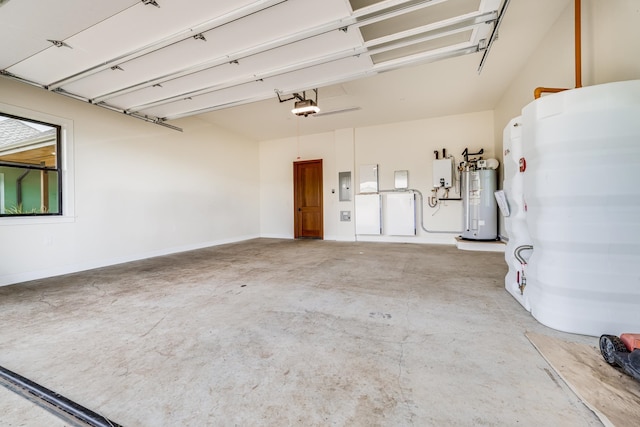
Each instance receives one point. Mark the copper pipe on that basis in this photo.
(540, 90)
(578, 55)
(578, 35)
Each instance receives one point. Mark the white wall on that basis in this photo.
(140, 190)
(276, 179)
(398, 146)
(610, 52)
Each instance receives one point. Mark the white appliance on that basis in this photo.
(479, 207)
(400, 214)
(368, 214)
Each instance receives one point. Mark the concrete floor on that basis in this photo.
(287, 333)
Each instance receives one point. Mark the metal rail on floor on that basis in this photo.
(55, 403)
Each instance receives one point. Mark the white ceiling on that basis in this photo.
(224, 61)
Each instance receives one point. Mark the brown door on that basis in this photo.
(307, 199)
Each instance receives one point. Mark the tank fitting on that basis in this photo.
(523, 283)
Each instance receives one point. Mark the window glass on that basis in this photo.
(30, 178)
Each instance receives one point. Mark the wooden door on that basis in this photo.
(307, 199)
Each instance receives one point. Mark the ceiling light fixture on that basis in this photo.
(303, 106)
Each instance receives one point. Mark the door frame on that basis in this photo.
(297, 217)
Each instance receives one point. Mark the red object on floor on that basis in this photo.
(631, 341)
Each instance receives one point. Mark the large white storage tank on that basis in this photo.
(516, 223)
(582, 150)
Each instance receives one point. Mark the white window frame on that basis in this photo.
(67, 170)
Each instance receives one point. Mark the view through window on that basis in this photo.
(30, 172)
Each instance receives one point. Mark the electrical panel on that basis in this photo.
(344, 181)
(443, 173)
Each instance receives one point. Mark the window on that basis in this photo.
(30, 167)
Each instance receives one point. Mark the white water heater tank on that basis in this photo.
(582, 151)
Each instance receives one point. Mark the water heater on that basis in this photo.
(443, 173)
(480, 211)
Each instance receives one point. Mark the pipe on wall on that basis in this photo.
(578, 54)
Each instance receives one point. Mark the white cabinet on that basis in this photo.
(368, 214)
(400, 214)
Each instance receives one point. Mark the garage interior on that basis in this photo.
(171, 286)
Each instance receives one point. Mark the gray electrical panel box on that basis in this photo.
(344, 182)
